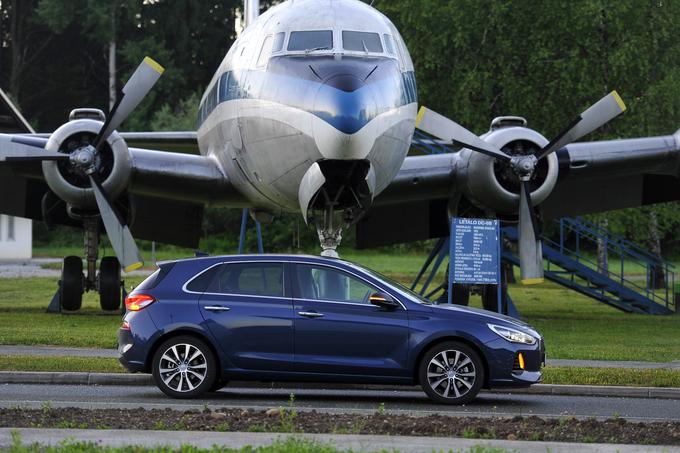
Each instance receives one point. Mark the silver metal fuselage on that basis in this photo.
(267, 116)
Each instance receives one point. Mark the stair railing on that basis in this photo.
(584, 236)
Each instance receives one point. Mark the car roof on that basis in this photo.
(260, 257)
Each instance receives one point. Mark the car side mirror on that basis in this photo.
(383, 300)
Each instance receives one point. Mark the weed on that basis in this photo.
(535, 436)
(160, 426)
(381, 409)
(257, 428)
(287, 416)
(222, 427)
(470, 434)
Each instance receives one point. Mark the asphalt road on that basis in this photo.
(359, 401)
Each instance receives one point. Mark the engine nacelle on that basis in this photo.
(113, 163)
(492, 185)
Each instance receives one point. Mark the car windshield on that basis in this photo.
(310, 40)
(412, 295)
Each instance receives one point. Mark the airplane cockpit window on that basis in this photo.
(311, 40)
(389, 44)
(265, 52)
(278, 42)
(361, 41)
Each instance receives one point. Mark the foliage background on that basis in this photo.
(474, 59)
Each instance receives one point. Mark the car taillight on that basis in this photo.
(136, 302)
(125, 325)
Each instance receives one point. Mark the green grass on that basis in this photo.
(292, 444)
(296, 444)
(23, 319)
(611, 376)
(577, 327)
(60, 363)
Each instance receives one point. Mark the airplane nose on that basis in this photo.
(345, 103)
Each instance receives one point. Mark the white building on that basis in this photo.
(16, 238)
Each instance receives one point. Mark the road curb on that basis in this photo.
(83, 378)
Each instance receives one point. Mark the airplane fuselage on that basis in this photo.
(309, 80)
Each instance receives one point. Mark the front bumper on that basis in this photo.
(503, 361)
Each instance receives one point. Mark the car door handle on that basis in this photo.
(310, 314)
(216, 308)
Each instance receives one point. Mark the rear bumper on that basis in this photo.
(134, 344)
(126, 354)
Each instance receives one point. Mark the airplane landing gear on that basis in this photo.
(329, 226)
(330, 234)
(74, 282)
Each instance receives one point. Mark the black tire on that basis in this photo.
(176, 386)
(219, 385)
(109, 283)
(490, 298)
(462, 379)
(71, 289)
(461, 294)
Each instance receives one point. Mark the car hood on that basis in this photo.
(489, 315)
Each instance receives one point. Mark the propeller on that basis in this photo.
(84, 159)
(524, 166)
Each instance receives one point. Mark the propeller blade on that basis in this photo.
(442, 127)
(134, 91)
(24, 149)
(597, 115)
(530, 250)
(119, 234)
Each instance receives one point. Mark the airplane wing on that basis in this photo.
(592, 177)
(164, 188)
(182, 142)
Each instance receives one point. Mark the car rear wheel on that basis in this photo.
(451, 373)
(184, 367)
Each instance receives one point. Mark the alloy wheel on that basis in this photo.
(451, 374)
(183, 367)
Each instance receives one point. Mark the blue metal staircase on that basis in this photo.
(570, 263)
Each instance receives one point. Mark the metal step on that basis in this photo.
(604, 288)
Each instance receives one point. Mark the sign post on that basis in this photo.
(475, 254)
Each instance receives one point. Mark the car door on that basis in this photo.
(338, 331)
(248, 310)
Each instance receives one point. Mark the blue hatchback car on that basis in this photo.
(197, 323)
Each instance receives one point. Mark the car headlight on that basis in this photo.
(512, 335)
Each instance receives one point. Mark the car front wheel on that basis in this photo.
(184, 367)
(451, 373)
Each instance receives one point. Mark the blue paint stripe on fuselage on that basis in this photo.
(346, 111)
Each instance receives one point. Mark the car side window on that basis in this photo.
(254, 279)
(325, 283)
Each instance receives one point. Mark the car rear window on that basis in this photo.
(154, 279)
(200, 283)
(256, 279)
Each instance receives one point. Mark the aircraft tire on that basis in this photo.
(71, 288)
(109, 283)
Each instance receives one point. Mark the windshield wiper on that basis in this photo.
(308, 51)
